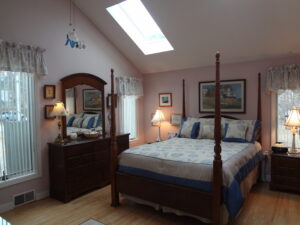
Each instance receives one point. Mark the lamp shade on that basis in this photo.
(294, 118)
(59, 110)
(158, 117)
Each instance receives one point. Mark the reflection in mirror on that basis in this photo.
(84, 107)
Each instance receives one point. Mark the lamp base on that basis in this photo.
(59, 140)
(294, 151)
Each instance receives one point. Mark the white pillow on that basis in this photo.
(77, 122)
(206, 131)
(235, 132)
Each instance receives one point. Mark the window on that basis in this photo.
(128, 113)
(17, 125)
(285, 101)
(137, 22)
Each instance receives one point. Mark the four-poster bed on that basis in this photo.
(175, 194)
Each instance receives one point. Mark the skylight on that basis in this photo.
(137, 22)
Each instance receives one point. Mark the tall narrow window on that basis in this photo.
(17, 125)
(128, 112)
(286, 99)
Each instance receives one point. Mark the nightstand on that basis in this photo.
(285, 172)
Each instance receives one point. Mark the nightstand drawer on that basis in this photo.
(286, 181)
(288, 172)
(285, 162)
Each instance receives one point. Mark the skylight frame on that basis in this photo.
(140, 26)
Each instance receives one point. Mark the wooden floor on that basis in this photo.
(262, 207)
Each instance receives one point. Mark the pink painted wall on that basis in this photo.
(44, 23)
(172, 82)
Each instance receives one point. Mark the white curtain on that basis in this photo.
(17, 125)
(130, 86)
(283, 77)
(128, 115)
(128, 90)
(22, 58)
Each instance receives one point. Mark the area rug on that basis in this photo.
(91, 222)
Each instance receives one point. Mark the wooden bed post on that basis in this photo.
(183, 99)
(217, 164)
(114, 147)
(259, 104)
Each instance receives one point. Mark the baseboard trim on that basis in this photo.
(10, 205)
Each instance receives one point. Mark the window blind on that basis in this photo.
(128, 119)
(17, 125)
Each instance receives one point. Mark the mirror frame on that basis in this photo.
(82, 79)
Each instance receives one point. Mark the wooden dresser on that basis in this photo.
(285, 172)
(81, 166)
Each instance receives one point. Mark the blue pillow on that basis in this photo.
(70, 121)
(195, 130)
(256, 131)
(99, 120)
(90, 123)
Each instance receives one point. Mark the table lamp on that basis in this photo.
(156, 120)
(59, 111)
(293, 121)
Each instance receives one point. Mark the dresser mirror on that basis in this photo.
(83, 96)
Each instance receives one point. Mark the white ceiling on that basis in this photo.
(242, 30)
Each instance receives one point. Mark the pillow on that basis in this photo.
(189, 127)
(77, 122)
(253, 127)
(206, 131)
(70, 120)
(235, 132)
(88, 122)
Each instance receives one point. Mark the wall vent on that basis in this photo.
(23, 198)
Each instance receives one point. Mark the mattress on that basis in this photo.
(188, 162)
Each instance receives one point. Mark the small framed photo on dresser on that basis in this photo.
(165, 99)
(49, 91)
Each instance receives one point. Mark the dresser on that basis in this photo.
(285, 172)
(80, 166)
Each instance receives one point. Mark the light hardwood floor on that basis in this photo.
(262, 207)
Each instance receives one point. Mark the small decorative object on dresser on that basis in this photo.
(285, 172)
(49, 91)
(176, 119)
(165, 99)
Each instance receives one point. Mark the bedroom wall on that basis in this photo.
(44, 23)
(172, 82)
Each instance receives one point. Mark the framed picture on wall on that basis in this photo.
(92, 100)
(233, 96)
(47, 110)
(176, 119)
(49, 91)
(165, 99)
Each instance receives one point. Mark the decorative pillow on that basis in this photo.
(70, 120)
(77, 122)
(206, 131)
(187, 126)
(235, 132)
(253, 127)
(88, 122)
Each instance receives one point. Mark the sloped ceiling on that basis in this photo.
(242, 30)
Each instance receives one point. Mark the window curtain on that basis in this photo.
(128, 90)
(22, 58)
(284, 77)
(129, 86)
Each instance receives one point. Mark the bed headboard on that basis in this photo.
(224, 116)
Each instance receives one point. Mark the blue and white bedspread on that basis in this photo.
(188, 162)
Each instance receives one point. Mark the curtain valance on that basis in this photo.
(130, 86)
(22, 58)
(283, 77)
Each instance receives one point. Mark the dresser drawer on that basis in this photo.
(79, 149)
(79, 160)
